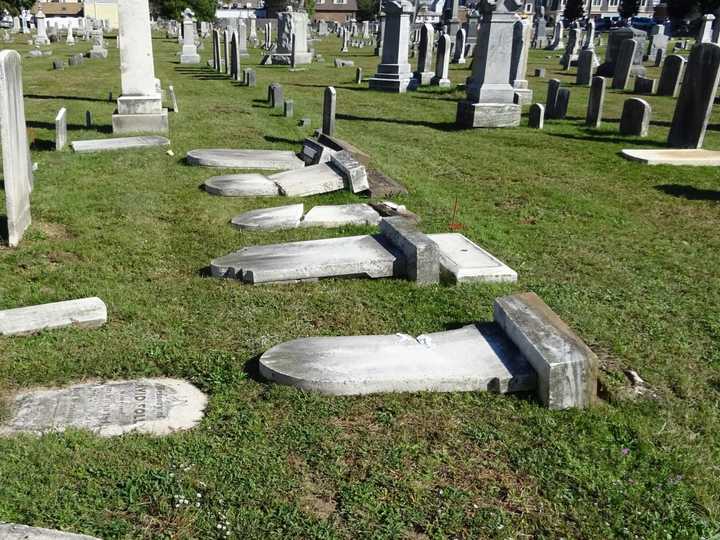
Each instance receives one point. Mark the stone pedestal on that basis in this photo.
(98, 49)
(189, 53)
(42, 37)
(393, 74)
(490, 97)
(140, 105)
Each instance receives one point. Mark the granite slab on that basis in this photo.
(119, 143)
(245, 159)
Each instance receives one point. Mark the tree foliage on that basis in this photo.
(172, 9)
(368, 9)
(574, 9)
(628, 8)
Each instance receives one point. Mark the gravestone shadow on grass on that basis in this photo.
(42, 145)
(689, 192)
(441, 126)
(607, 138)
(64, 98)
(272, 139)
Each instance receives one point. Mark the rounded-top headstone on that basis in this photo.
(154, 406)
(242, 185)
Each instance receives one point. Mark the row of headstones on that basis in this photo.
(276, 100)
(227, 54)
(424, 75)
(692, 111)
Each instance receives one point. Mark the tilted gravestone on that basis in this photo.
(596, 100)
(17, 167)
(694, 105)
(624, 64)
(585, 67)
(635, 119)
(671, 76)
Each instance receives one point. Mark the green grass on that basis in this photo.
(627, 254)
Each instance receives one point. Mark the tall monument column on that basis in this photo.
(140, 105)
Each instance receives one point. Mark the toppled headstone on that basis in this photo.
(472, 358)
(421, 254)
(269, 219)
(85, 313)
(242, 185)
(154, 406)
(245, 159)
(13, 531)
(674, 156)
(340, 215)
(463, 261)
(340, 63)
(119, 143)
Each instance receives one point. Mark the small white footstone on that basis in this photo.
(341, 214)
(245, 159)
(312, 180)
(270, 219)
(468, 262)
(313, 259)
(674, 156)
(467, 359)
(122, 143)
(12, 531)
(85, 313)
(154, 406)
(241, 185)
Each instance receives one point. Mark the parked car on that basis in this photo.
(642, 23)
(607, 23)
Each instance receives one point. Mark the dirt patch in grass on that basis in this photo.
(53, 231)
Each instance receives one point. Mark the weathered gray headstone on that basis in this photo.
(551, 99)
(424, 73)
(329, 105)
(561, 105)
(585, 67)
(671, 76)
(540, 72)
(393, 74)
(624, 63)
(643, 85)
(596, 100)
(275, 95)
(17, 167)
(118, 143)
(442, 65)
(154, 406)
(173, 99)
(340, 215)
(241, 185)
(269, 219)
(536, 116)
(289, 108)
(459, 55)
(635, 119)
(245, 159)
(422, 256)
(358, 76)
(694, 105)
(61, 129)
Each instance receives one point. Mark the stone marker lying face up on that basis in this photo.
(528, 348)
(399, 251)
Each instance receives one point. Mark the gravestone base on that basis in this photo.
(136, 123)
(392, 78)
(478, 115)
(523, 96)
(99, 53)
(190, 59)
(424, 78)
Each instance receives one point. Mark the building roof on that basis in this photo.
(329, 5)
(58, 9)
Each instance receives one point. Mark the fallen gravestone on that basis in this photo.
(245, 159)
(120, 143)
(674, 156)
(399, 251)
(527, 348)
(242, 185)
(270, 219)
(13, 531)
(291, 217)
(153, 406)
(85, 313)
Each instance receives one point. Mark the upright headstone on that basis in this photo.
(227, 36)
(189, 54)
(442, 64)
(41, 38)
(657, 41)
(694, 105)
(234, 57)
(612, 51)
(358, 75)
(70, 39)
(584, 68)
(217, 55)
(98, 49)
(473, 25)
(635, 119)
(424, 72)
(551, 99)
(293, 23)
(17, 167)
(706, 28)
(536, 116)
(173, 99)
(562, 103)
(572, 48)
(393, 74)
(140, 105)
(557, 41)
(329, 104)
(624, 64)
(459, 55)
(275, 95)
(490, 97)
(518, 65)
(242, 38)
(596, 100)
(61, 129)
(540, 29)
(589, 43)
(671, 76)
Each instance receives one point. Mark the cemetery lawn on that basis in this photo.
(628, 255)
